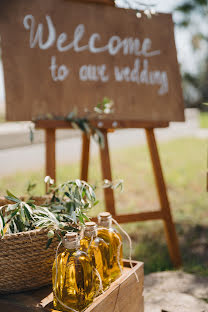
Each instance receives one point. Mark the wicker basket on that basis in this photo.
(24, 261)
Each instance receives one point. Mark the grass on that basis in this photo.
(184, 163)
(2, 117)
(203, 119)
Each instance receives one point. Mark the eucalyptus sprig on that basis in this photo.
(105, 107)
(116, 184)
(73, 198)
(16, 217)
(64, 209)
(85, 126)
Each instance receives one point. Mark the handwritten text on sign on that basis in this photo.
(139, 74)
(58, 55)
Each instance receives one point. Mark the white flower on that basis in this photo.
(49, 180)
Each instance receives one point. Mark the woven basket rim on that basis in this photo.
(22, 197)
(38, 231)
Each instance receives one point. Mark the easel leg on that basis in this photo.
(171, 235)
(50, 153)
(106, 174)
(85, 157)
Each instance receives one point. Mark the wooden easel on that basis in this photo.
(164, 213)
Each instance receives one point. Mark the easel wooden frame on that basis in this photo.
(164, 213)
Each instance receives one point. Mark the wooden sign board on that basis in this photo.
(58, 55)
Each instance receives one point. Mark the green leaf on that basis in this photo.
(15, 200)
(1, 226)
(49, 242)
(30, 187)
(81, 219)
(14, 213)
(74, 217)
(12, 195)
(27, 213)
(186, 7)
(85, 216)
(22, 214)
(58, 236)
(96, 202)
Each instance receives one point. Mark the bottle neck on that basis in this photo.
(90, 233)
(105, 222)
(71, 245)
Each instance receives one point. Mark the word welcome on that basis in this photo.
(128, 45)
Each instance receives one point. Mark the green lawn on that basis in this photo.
(2, 118)
(203, 119)
(184, 163)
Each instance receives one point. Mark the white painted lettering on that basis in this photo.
(92, 47)
(29, 23)
(147, 43)
(114, 45)
(58, 73)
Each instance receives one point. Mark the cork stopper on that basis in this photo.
(104, 215)
(90, 224)
(71, 236)
(71, 240)
(90, 229)
(105, 219)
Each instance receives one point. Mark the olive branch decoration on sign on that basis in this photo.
(105, 107)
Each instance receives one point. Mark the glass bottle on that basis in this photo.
(73, 277)
(98, 251)
(114, 240)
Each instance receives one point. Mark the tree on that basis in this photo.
(193, 15)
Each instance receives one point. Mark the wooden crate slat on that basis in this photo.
(119, 294)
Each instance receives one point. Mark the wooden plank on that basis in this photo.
(41, 300)
(25, 301)
(50, 152)
(109, 300)
(141, 216)
(105, 124)
(170, 230)
(106, 174)
(12, 307)
(85, 157)
(107, 2)
(84, 57)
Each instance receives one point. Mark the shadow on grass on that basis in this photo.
(149, 246)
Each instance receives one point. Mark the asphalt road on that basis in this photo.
(68, 150)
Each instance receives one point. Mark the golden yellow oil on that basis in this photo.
(114, 240)
(98, 251)
(75, 285)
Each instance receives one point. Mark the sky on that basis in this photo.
(185, 54)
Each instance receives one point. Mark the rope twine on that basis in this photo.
(130, 248)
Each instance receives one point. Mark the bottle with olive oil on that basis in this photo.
(98, 251)
(73, 277)
(114, 240)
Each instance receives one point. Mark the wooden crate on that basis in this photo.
(124, 295)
